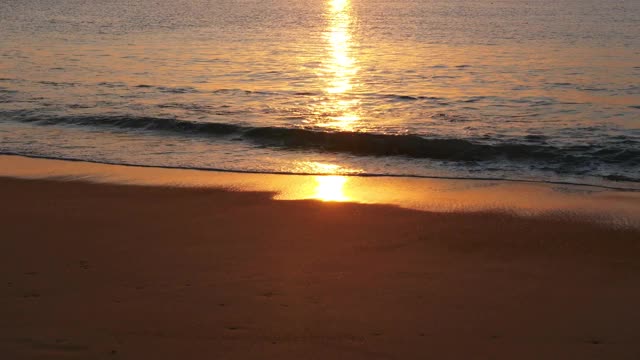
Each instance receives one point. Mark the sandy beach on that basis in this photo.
(319, 180)
(97, 270)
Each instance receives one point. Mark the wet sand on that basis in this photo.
(92, 271)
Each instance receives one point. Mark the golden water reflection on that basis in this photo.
(319, 168)
(338, 110)
(340, 64)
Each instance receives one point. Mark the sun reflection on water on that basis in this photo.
(340, 70)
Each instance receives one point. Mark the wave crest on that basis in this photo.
(371, 144)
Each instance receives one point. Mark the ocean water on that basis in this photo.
(510, 89)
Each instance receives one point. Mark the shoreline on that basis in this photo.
(618, 208)
(349, 174)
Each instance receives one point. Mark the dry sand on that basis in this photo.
(93, 271)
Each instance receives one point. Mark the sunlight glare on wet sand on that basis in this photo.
(330, 188)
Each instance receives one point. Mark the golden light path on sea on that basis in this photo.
(338, 110)
(339, 72)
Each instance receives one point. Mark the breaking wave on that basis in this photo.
(373, 144)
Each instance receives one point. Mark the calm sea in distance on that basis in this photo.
(511, 89)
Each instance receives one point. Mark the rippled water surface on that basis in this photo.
(541, 90)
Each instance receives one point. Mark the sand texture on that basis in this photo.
(95, 271)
